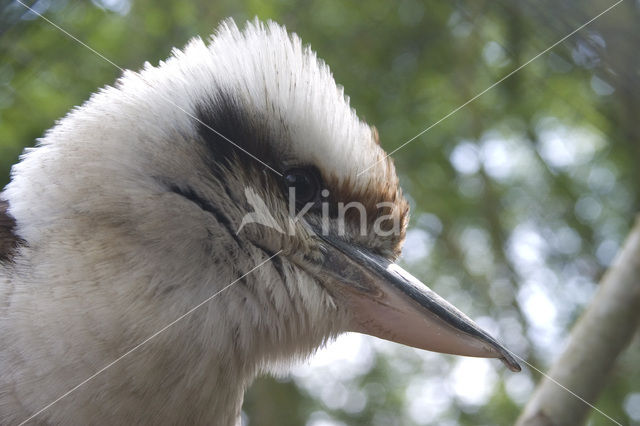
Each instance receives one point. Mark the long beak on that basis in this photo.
(386, 301)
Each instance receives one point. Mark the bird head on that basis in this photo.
(232, 153)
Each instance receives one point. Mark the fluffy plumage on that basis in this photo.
(127, 210)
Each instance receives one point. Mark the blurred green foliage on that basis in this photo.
(520, 198)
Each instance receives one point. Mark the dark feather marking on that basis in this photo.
(9, 241)
(231, 133)
(276, 262)
(205, 205)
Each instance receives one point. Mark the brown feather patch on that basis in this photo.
(375, 135)
(9, 241)
(394, 207)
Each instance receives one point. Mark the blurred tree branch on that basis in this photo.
(597, 339)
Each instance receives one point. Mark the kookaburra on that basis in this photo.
(127, 215)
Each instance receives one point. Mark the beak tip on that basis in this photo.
(511, 362)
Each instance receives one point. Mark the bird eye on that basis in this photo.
(305, 183)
